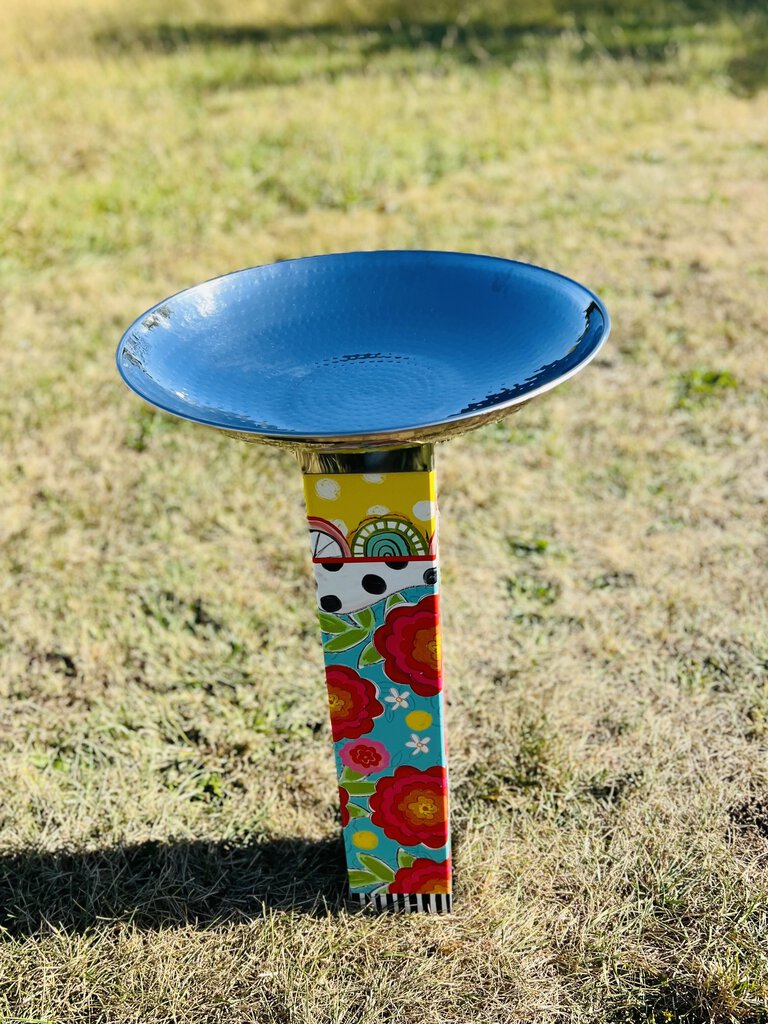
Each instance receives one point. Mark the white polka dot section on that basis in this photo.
(424, 511)
(373, 478)
(341, 525)
(327, 489)
(378, 510)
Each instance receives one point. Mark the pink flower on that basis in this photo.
(365, 756)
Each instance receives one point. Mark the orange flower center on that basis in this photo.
(424, 807)
(337, 703)
(426, 647)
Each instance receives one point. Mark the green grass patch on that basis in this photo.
(169, 838)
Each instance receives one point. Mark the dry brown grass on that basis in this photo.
(168, 824)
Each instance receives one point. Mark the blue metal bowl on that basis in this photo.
(362, 349)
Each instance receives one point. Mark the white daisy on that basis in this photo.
(397, 698)
(420, 744)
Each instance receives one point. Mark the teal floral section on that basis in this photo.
(386, 702)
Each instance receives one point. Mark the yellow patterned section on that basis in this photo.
(347, 499)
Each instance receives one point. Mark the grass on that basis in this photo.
(168, 830)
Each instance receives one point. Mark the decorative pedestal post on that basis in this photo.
(359, 363)
(374, 549)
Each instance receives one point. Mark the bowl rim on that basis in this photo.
(412, 433)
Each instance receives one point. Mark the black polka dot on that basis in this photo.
(396, 565)
(373, 584)
(430, 577)
(333, 566)
(330, 603)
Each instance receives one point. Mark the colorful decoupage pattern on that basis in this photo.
(374, 549)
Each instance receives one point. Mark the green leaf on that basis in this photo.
(365, 618)
(358, 878)
(377, 867)
(344, 641)
(369, 656)
(360, 788)
(332, 623)
(404, 859)
(393, 600)
(348, 775)
(356, 812)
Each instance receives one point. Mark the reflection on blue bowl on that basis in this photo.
(362, 348)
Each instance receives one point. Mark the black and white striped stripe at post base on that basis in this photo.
(425, 903)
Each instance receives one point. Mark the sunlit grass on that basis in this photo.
(166, 765)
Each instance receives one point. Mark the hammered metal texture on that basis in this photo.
(362, 349)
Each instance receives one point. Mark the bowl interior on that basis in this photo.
(361, 345)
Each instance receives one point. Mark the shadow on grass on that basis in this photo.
(647, 33)
(372, 38)
(169, 884)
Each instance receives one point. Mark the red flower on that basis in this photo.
(423, 876)
(409, 642)
(411, 806)
(343, 801)
(352, 701)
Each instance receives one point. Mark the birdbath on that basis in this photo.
(359, 362)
